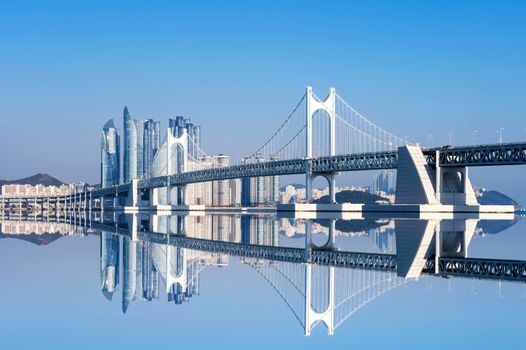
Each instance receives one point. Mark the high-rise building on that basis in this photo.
(133, 165)
(385, 182)
(109, 263)
(139, 127)
(152, 142)
(260, 230)
(263, 190)
(221, 195)
(130, 147)
(196, 135)
(177, 125)
(189, 126)
(110, 155)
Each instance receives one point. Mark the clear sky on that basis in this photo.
(237, 68)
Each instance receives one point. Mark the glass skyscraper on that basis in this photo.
(139, 127)
(109, 263)
(152, 142)
(133, 165)
(259, 190)
(130, 147)
(178, 124)
(110, 155)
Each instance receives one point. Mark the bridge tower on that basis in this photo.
(176, 162)
(176, 267)
(312, 317)
(329, 106)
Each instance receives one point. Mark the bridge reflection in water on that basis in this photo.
(319, 285)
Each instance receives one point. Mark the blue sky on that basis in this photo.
(413, 67)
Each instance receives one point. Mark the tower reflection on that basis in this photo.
(327, 287)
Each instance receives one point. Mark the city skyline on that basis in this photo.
(480, 84)
(239, 174)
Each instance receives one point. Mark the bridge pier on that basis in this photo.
(331, 239)
(132, 200)
(417, 182)
(417, 241)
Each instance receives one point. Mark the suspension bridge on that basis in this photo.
(319, 137)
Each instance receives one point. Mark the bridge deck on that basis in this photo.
(481, 155)
(509, 270)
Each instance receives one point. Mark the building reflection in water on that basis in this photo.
(314, 293)
(109, 263)
(318, 286)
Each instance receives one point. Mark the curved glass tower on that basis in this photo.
(130, 147)
(109, 263)
(110, 155)
(133, 166)
(139, 130)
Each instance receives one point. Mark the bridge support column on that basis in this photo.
(331, 178)
(154, 197)
(181, 195)
(133, 224)
(454, 186)
(419, 183)
(331, 239)
(169, 192)
(133, 194)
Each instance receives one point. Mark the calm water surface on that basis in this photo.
(139, 281)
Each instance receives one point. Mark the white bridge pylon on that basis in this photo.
(314, 105)
(319, 294)
(329, 106)
(312, 317)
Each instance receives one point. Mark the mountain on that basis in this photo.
(359, 197)
(495, 226)
(496, 198)
(38, 239)
(354, 225)
(38, 179)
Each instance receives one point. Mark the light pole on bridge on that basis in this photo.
(474, 136)
(499, 132)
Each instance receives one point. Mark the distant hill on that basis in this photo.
(358, 197)
(496, 198)
(40, 239)
(38, 179)
(495, 226)
(354, 225)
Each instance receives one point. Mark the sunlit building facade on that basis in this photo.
(152, 142)
(133, 165)
(109, 263)
(110, 155)
(262, 190)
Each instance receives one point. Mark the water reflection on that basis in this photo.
(310, 263)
